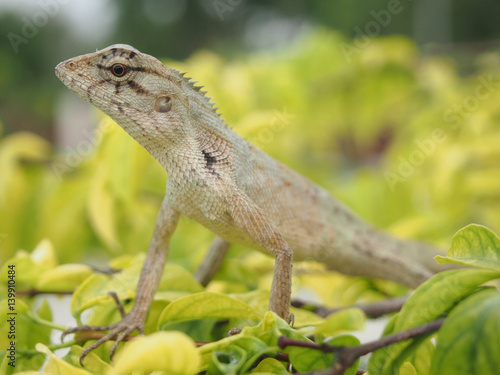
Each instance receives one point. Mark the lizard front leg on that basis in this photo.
(212, 262)
(146, 288)
(251, 220)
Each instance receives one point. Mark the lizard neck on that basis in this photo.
(201, 136)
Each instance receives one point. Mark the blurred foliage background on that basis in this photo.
(402, 126)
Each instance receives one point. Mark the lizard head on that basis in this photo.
(149, 100)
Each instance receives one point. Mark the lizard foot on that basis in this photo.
(119, 331)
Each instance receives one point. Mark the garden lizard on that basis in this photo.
(220, 180)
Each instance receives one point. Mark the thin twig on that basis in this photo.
(110, 271)
(347, 355)
(34, 292)
(372, 310)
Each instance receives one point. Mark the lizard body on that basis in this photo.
(219, 180)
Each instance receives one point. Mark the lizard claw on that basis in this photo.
(119, 331)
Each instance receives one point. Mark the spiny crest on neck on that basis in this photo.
(196, 92)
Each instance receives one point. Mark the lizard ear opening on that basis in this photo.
(163, 104)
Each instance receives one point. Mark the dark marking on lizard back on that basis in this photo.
(215, 160)
(210, 161)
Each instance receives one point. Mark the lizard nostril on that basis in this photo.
(71, 65)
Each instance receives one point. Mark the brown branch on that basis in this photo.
(372, 310)
(110, 271)
(347, 355)
(34, 292)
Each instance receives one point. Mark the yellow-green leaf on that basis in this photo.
(44, 255)
(65, 277)
(101, 210)
(172, 352)
(429, 301)
(56, 365)
(92, 362)
(270, 366)
(474, 245)
(26, 271)
(352, 319)
(467, 342)
(207, 305)
(238, 347)
(408, 369)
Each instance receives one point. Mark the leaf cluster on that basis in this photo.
(187, 324)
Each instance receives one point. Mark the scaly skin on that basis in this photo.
(218, 179)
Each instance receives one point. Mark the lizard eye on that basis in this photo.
(119, 70)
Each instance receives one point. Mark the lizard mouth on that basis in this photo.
(79, 85)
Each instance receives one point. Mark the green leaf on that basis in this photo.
(474, 245)
(92, 362)
(94, 290)
(237, 348)
(271, 328)
(26, 271)
(207, 305)
(408, 369)
(429, 301)
(421, 358)
(270, 366)
(348, 341)
(101, 210)
(467, 342)
(28, 332)
(177, 278)
(65, 277)
(352, 319)
(44, 255)
(306, 359)
(198, 330)
(171, 352)
(256, 341)
(227, 361)
(56, 365)
(443, 290)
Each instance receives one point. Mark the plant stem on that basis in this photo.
(347, 355)
(372, 310)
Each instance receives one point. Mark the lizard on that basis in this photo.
(218, 179)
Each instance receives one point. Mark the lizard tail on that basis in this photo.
(417, 254)
(424, 254)
(379, 255)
